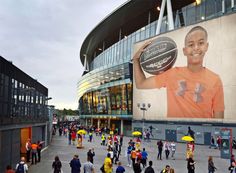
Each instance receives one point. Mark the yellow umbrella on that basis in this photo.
(187, 138)
(136, 133)
(81, 132)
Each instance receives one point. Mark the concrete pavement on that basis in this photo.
(60, 147)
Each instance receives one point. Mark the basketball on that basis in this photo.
(159, 56)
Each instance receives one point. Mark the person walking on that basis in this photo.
(120, 168)
(115, 155)
(73, 137)
(75, 164)
(110, 151)
(28, 149)
(90, 136)
(167, 149)
(34, 147)
(108, 164)
(191, 164)
(212, 142)
(137, 166)
(149, 169)
(103, 138)
(133, 156)
(211, 166)
(69, 137)
(144, 158)
(56, 165)
(91, 154)
(218, 142)
(190, 132)
(160, 147)
(172, 148)
(39, 148)
(88, 166)
(166, 169)
(21, 167)
(121, 139)
(129, 149)
(232, 164)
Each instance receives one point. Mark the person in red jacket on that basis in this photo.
(73, 136)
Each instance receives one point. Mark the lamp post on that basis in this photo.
(144, 107)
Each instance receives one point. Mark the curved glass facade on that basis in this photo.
(107, 88)
(120, 52)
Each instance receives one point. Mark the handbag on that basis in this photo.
(230, 168)
(102, 168)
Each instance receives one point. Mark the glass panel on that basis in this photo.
(108, 56)
(137, 36)
(210, 9)
(190, 15)
(113, 54)
(164, 25)
(129, 48)
(153, 30)
(228, 6)
(142, 34)
(123, 100)
(218, 7)
(125, 49)
(200, 12)
(119, 53)
(129, 87)
(147, 32)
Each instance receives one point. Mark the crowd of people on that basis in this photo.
(135, 152)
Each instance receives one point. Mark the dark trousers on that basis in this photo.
(144, 162)
(39, 155)
(167, 153)
(34, 158)
(133, 161)
(159, 154)
(28, 155)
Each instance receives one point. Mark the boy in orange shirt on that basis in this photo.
(192, 91)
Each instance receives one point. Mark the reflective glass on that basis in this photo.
(153, 30)
(120, 52)
(200, 12)
(137, 36)
(210, 6)
(190, 15)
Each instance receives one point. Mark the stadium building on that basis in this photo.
(23, 113)
(108, 96)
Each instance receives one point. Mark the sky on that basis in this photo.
(43, 38)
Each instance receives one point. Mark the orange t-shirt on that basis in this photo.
(34, 146)
(133, 154)
(192, 95)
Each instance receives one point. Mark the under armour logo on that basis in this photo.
(182, 88)
(197, 93)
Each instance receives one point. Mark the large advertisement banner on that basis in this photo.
(187, 73)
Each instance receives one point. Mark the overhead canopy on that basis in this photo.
(128, 18)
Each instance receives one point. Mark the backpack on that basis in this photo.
(20, 168)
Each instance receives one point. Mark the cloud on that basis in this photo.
(43, 39)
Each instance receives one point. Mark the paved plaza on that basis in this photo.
(60, 147)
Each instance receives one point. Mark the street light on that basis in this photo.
(143, 108)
